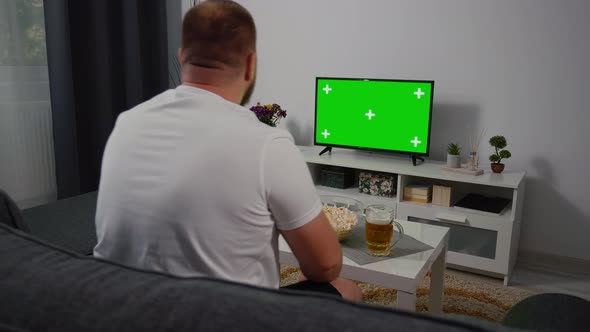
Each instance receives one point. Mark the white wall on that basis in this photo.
(517, 68)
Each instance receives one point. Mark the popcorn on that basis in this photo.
(341, 219)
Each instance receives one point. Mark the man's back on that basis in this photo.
(185, 189)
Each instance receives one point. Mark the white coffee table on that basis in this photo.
(404, 273)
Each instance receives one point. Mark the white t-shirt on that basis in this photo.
(194, 185)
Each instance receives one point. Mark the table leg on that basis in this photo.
(406, 301)
(507, 278)
(437, 282)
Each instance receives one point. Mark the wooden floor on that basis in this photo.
(542, 278)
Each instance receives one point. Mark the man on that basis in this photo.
(193, 184)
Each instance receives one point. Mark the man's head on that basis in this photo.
(218, 50)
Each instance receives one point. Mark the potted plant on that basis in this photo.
(499, 143)
(453, 155)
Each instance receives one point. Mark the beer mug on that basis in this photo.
(379, 221)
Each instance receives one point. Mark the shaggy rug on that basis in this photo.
(462, 296)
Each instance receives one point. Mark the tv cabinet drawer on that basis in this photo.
(478, 242)
(452, 215)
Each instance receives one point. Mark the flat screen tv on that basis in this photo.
(374, 114)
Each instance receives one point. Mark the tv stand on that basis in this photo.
(479, 241)
(326, 149)
(415, 158)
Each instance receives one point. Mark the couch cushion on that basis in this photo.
(68, 223)
(44, 288)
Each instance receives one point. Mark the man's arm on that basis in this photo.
(296, 208)
(316, 247)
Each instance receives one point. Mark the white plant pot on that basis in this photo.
(453, 161)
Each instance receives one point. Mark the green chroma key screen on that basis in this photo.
(389, 115)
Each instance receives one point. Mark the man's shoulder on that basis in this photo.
(154, 102)
(256, 127)
(271, 135)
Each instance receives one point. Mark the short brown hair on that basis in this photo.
(218, 32)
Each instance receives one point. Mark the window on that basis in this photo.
(27, 166)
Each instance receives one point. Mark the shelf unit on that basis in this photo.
(479, 241)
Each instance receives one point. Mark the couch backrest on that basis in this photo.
(45, 288)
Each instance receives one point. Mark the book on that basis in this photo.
(418, 198)
(442, 195)
(418, 189)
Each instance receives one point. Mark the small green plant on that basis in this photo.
(499, 143)
(454, 149)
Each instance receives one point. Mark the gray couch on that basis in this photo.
(68, 223)
(46, 288)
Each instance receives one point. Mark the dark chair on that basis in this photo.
(550, 312)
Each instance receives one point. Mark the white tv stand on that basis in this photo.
(480, 241)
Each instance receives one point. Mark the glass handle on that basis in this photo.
(401, 234)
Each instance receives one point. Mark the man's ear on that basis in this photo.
(180, 56)
(250, 67)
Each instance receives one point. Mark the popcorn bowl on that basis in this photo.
(344, 213)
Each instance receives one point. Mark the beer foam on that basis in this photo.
(379, 221)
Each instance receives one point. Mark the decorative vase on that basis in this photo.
(497, 167)
(453, 161)
(473, 161)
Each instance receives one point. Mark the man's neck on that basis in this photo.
(222, 92)
(218, 80)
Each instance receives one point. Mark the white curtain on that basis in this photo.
(27, 166)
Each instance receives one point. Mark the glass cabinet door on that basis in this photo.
(466, 239)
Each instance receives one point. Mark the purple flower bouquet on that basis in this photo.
(269, 114)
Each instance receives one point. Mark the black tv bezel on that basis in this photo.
(315, 119)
